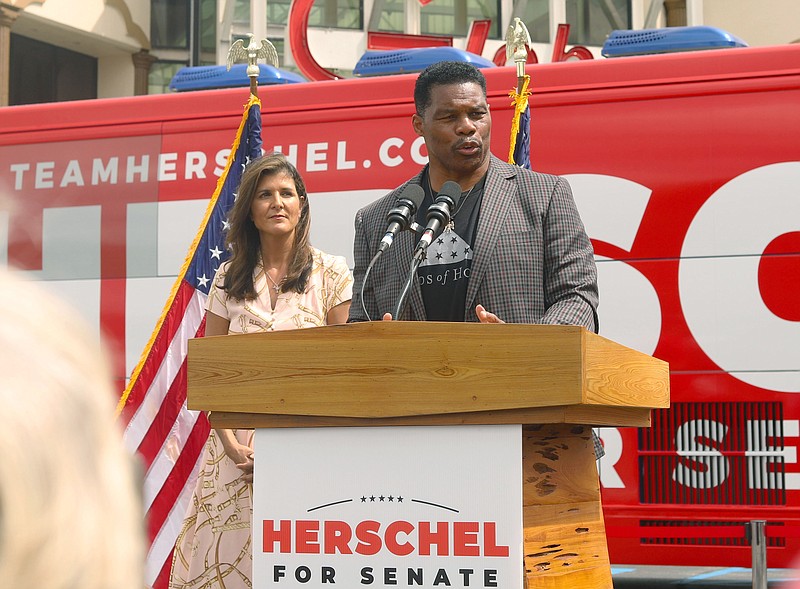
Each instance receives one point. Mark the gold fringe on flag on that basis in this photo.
(519, 100)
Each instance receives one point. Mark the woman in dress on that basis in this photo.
(274, 280)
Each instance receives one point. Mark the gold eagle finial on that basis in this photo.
(252, 53)
(517, 41)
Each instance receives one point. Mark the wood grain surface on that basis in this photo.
(563, 528)
(385, 370)
(548, 378)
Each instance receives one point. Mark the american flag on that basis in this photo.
(520, 144)
(158, 427)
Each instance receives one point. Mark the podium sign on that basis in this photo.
(399, 506)
(555, 380)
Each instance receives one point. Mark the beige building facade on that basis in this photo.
(108, 49)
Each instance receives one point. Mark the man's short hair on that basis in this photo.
(443, 73)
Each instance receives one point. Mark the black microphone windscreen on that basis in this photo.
(452, 190)
(413, 193)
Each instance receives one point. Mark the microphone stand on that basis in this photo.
(364, 282)
(438, 212)
(414, 227)
(419, 255)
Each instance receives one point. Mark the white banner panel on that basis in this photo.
(388, 507)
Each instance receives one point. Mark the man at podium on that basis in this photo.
(514, 248)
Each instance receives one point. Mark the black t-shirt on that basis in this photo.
(444, 274)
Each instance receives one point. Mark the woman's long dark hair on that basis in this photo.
(243, 238)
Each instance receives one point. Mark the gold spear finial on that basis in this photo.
(252, 53)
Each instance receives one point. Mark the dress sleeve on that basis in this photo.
(217, 297)
(339, 283)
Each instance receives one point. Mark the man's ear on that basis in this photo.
(416, 122)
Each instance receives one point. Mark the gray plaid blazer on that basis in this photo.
(533, 262)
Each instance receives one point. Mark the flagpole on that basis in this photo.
(252, 53)
(167, 436)
(518, 40)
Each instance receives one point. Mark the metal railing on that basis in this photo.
(757, 537)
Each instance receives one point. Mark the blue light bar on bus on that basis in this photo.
(667, 40)
(206, 77)
(404, 61)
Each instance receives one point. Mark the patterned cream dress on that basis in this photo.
(213, 550)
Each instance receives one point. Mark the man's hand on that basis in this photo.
(485, 317)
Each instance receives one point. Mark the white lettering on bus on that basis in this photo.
(221, 159)
(760, 436)
(791, 429)
(718, 277)
(18, 170)
(72, 175)
(133, 168)
(705, 466)
(167, 166)
(195, 165)
(390, 160)
(416, 151)
(385, 158)
(612, 444)
(316, 155)
(44, 175)
(105, 174)
(291, 153)
(630, 312)
(342, 163)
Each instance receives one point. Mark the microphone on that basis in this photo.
(438, 215)
(399, 218)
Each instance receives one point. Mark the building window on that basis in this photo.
(208, 31)
(169, 24)
(185, 25)
(40, 72)
(335, 14)
(278, 12)
(592, 20)
(338, 14)
(536, 16)
(388, 16)
(453, 17)
(280, 49)
(161, 74)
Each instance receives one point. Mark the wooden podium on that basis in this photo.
(557, 381)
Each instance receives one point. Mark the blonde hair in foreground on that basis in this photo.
(70, 511)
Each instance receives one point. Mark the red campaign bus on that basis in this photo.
(685, 168)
